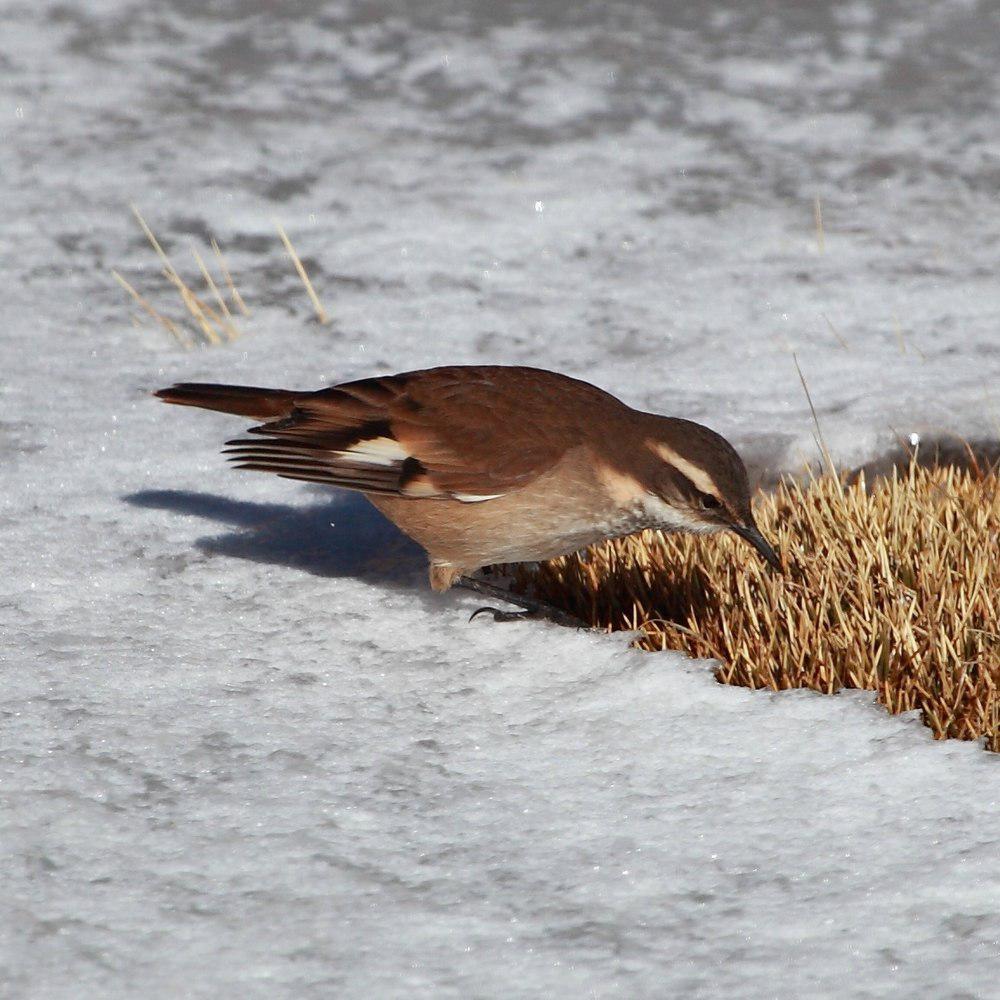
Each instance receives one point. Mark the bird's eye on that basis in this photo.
(709, 502)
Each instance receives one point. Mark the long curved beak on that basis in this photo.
(760, 543)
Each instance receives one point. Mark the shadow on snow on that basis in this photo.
(345, 536)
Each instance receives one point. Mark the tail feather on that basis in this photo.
(245, 400)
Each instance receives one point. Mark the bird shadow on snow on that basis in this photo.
(344, 536)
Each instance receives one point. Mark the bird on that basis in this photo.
(493, 464)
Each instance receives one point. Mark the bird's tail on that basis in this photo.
(246, 400)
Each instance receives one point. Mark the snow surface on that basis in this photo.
(245, 751)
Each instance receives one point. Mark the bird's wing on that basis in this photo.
(470, 434)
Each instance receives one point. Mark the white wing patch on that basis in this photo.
(376, 451)
(373, 465)
(474, 498)
(386, 452)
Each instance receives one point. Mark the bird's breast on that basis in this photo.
(563, 510)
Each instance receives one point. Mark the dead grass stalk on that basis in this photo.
(321, 313)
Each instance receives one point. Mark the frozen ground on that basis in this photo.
(245, 753)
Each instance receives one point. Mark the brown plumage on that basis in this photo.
(488, 464)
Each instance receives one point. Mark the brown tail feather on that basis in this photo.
(246, 400)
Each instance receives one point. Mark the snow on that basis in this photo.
(246, 752)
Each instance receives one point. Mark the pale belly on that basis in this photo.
(559, 513)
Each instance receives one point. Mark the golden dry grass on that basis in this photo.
(213, 324)
(300, 270)
(893, 588)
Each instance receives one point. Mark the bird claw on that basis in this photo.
(501, 616)
(540, 614)
(534, 610)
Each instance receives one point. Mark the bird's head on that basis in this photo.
(695, 481)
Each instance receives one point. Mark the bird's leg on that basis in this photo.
(532, 607)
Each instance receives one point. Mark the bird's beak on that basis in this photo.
(760, 543)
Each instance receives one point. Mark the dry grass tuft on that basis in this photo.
(212, 325)
(216, 324)
(893, 588)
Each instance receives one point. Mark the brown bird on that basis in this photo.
(490, 464)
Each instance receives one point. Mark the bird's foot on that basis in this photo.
(532, 608)
(501, 616)
(545, 613)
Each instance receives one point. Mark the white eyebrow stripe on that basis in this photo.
(699, 477)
